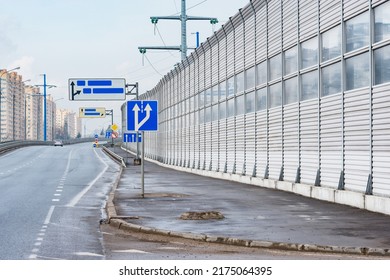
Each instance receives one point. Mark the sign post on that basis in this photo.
(142, 115)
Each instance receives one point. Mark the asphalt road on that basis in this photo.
(51, 201)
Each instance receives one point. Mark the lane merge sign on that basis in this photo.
(97, 89)
(142, 115)
(92, 112)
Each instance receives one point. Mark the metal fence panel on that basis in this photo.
(331, 139)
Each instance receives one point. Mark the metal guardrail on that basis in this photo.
(11, 145)
(114, 156)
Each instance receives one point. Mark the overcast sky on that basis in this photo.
(99, 39)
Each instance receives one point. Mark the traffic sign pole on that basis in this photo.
(143, 165)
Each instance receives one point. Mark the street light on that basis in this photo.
(5, 72)
(44, 104)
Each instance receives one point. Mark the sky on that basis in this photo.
(99, 39)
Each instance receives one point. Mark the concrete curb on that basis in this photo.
(119, 223)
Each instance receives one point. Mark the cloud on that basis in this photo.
(26, 67)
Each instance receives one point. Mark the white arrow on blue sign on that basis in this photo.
(131, 138)
(142, 115)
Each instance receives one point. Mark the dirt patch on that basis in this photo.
(205, 215)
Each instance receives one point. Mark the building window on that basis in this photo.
(250, 78)
(250, 102)
(240, 82)
(240, 105)
(357, 32)
(291, 91)
(201, 116)
(261, 99)
(222, 90)
(201, 99)
(331, 43)
(309, 85)
(275, 95)
(215, 112)
(382, 22)
(275, 67)
(357, 71)
(309, 53)
(230, 107)
(382, 65)
(207, 96)
(331, 79)
(261, 73)
(214, 94)
(207, 116)
(290, 61)
(222, 110)
(230, 86)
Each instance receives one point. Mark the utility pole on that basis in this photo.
(183, 18)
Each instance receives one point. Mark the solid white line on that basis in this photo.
(48, 216)
(77, 198)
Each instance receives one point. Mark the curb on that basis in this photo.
(118, 223)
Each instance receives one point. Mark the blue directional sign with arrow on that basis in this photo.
(131, 137)
(97, 89)
(142, 115)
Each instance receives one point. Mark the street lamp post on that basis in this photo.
(5, 72)
(44, 105)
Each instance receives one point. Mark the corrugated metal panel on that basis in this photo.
(208, 68)
(250, 143)
(354, 7)
(240, 143)
(222, 144)
(202, 146)
(208, 144)
(309, 141)
(250, 42)
(330, 13)
(290, 23)
(261, 143)
(222, 59)
(215, 65)
(215, 143)
(357, 140)
(290, 141)
(230, 53)
(381, 140)
(274, 27)
(201, 73)
(231, 145)
(308, 18)
(197, 146)
(331, 140)
(261, 33)
(275, 142)
(378, 2)
(239, 47)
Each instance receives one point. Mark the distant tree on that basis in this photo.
(78, 135)
(102, 132)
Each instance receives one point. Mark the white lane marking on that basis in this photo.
(55, 200)
(49, 214)
(77, 198)
(131, 251)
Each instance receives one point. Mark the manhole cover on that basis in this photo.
(204, 215)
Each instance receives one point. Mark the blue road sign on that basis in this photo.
(97, 89)
(108, 134)
(96, 136)
(142, 115)
(131, 137)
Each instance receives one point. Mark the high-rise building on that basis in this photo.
(33, 113)
(12, 106)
